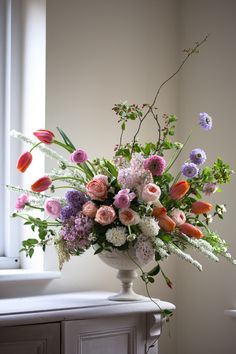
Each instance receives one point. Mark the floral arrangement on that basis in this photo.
(133, 201)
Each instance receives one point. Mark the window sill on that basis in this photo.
(7, 275)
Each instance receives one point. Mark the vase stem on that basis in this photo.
(127, 293)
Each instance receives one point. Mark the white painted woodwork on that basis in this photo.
(79, 323)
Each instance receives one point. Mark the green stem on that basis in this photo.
(66, 147)
(34, 207)
(34, 146)
(78, 189)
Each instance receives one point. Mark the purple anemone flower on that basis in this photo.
(189, 170)
(197, 156)
(205, 121)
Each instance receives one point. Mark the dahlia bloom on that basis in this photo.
(155, 164)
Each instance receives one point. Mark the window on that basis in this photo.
(22, 105)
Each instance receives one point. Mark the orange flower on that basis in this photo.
(201, 207)
(41, 184)
(190, 230)
(157, 211)
(24, 161)
(166, 223)
(179, 190)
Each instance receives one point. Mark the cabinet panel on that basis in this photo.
(35, 339)
(117, 335)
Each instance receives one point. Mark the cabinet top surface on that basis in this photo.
(70, 306)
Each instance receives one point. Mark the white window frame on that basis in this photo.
(19, 97)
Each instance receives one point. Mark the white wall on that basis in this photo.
(209, 84)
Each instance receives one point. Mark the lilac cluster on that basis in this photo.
(75, 201)
(75, 232)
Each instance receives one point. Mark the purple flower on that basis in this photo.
(79, 156)
(209, 188)
(75, 199)
(155, 164)
(205, 121)
(123, 198)
(197, 156)
(75, 232)
(67, 211)
(21, 201)
(189, 170)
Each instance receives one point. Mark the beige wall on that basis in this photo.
(209, 84)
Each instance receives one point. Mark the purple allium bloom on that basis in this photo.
(76, 199)
(209, 188)
(205, 121)
(155, 164)
(67, 211)
(197, 156)
(189, 170)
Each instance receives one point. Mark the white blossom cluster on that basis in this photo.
(117, 236)
(161, 248)
(202, 246)
(183, 255)
(149, 226)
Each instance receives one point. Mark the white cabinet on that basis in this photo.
(79, 323)
(34, 339)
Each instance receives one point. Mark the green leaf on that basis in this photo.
(154, 271)
(65, 138)
(123, 126)
(31, 252)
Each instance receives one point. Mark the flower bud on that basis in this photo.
(190, 230)
(45, 136)
(201, 207)
(166, 223)
(24, 161)
(179, 190)
(41, 184)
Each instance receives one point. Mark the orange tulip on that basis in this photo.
(201, 207)
(190, 230)
(179, 190)
(41, 184)
(157, 211)
(166, 223)
(24, 161)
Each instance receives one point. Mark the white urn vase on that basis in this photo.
(127, 265)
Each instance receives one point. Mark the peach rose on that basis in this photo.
(128, 217)
(151, 192)
(97, 189)
(105, 215)
(89, 209)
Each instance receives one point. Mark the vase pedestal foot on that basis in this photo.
(127, 293)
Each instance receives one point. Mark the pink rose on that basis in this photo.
(89, 209)
(178, 216)
(79, 156)
(52, 207)
(123, 198)
(105, 215)
(151, 192)
(128, 217)
(101, 178)
(21, 201)
(97, 189)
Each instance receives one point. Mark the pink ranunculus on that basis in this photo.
(89, 209)
(178, 216)
(79, 156)
(21, 201)
(128, 217)
(123, 198)
(52, 207)
(105, 215)
(151, 192)
(97, 189)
